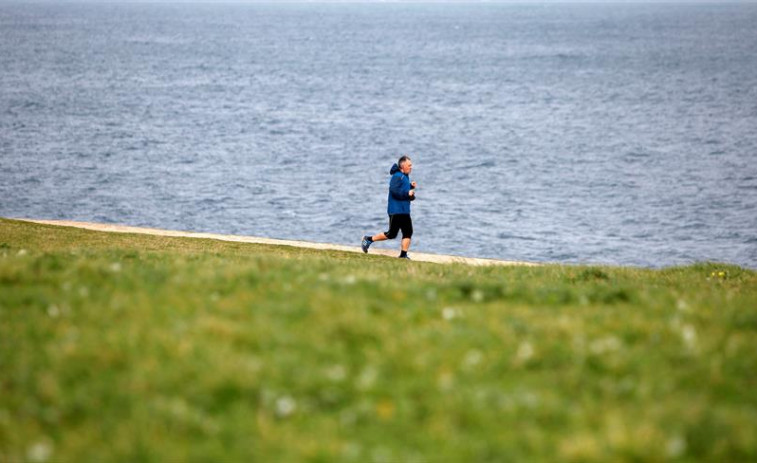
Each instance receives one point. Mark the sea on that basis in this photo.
(593, 133)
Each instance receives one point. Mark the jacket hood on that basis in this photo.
(395, 168)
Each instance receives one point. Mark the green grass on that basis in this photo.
(119, 347)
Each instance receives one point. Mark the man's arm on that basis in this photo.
(398, 189)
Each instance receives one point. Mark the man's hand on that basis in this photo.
(411, 194)
(413, 184)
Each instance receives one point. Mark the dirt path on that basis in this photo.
(416, 256)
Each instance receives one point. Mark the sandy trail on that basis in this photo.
(416, 256)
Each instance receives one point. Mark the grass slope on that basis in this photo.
(139, 348)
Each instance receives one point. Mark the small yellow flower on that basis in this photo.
(385, 409)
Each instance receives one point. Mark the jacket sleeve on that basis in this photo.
(399, 189)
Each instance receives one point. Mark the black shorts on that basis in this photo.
(399, 222)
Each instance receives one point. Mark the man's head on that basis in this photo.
(405, 165)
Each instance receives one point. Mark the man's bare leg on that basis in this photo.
(379, 237)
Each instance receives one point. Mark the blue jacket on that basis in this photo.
(399, 189)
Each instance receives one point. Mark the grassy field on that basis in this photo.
(133, 348)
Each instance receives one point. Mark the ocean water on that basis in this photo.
(607, 134)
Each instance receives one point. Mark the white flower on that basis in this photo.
(336, 373)
(285, 406)
(608, 344)
(473, 358)
(689, 335)
(367, 378)
(53, 311)
(676, 447)
(39, 452)
(525, 351)
(449, 313)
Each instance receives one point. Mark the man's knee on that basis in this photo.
(391, 234)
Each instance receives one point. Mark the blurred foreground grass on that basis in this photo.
(137, 348)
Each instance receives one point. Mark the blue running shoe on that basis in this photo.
(366, 243)
(405, 257)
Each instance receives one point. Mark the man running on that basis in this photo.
(401, 192)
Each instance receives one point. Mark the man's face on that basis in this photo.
(407, 167)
